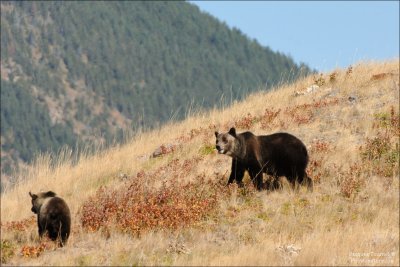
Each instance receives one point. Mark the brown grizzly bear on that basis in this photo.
(53, 216)
(279, 154)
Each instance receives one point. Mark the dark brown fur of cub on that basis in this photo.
(279, 154)
(53, 216)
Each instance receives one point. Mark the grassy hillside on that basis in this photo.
(132, 209)
(75, 71)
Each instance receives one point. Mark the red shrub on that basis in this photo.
(139, 207)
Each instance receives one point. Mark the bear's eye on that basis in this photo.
(224, 139)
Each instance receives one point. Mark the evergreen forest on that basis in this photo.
(86, 72)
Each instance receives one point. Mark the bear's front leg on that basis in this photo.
(41, 229)
(256, 175)
(237, 172)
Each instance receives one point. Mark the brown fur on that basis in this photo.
(279, 154)
(53, 216)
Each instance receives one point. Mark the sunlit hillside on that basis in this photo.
(162, 198)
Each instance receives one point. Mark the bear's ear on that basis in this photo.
(216, 134)
(33, 196)
(232, 132)
(49, 194)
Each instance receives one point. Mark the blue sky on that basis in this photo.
(324, 35)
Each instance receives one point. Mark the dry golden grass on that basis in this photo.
(351, 218)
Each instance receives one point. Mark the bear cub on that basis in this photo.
(53, 216)
(279, 154)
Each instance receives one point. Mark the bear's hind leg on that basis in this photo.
(294, 181)
(309, 183)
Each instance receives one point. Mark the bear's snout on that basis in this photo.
(220, 150)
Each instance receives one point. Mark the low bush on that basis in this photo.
(136, 207)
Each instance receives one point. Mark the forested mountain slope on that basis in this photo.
(74, 72)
